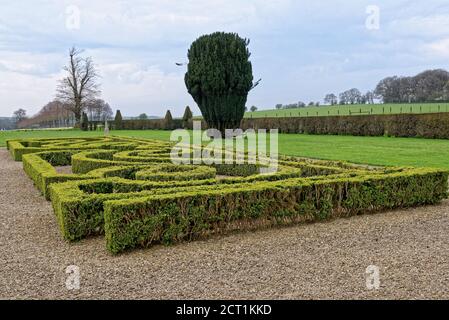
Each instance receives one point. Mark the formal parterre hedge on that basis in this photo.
(130, 191)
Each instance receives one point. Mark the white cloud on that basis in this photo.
(302, 50)
(434, 25)
(438, 48)
(147, 89)
(18, 90)
(30, 63)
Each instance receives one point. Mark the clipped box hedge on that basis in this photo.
(128, 190)
(19, 147)
(186, 215)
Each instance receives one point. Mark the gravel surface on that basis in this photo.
(312, 261)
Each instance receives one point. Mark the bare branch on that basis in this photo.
(80, 85)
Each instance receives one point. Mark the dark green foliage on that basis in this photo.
(168, 121)
(150, 124)
(219, 77)
(118, 121)
(84, 122)
(241, 170)
(187, 118)
(431, 125)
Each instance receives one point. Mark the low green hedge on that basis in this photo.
(78, 205)
(43, 173)
(81, 206)
(171, 172)
(168, 218)
(20, 147)
(17, 150)
(129, 190)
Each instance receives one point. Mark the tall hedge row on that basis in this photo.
(431, 125)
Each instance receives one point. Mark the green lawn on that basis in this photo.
(356, 109)
(370, 150)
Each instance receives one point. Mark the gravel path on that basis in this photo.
(321, 260)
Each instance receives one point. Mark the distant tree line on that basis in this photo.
(354, 96)
(427, 86)
(57, 114)
(7, 123)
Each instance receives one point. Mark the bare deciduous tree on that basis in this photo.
(99, 110)
(80, 85)
(20, 114)
(331, 99)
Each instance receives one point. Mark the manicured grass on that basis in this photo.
(369, 150)
(356, 109)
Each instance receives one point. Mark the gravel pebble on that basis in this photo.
(310, 261)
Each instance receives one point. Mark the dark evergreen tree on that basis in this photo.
(84, 122)
(187, 118)
(168, 121)
(219, 77)
(118, 121)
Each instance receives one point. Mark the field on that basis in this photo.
(356, 109)
(369, 150)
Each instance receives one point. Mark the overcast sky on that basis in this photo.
(301, 49)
